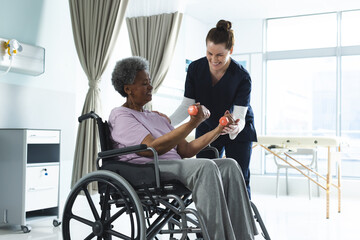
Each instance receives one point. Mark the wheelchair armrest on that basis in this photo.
(211, 148)
(122, 151)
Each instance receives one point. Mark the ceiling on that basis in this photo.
(210, 11)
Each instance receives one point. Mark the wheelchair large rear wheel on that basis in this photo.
(115, 213)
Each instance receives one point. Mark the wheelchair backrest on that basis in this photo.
(104, 135)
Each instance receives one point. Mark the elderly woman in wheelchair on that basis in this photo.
(216, 185)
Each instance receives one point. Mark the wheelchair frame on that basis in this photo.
(137, 199)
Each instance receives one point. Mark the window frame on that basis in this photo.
(338, 52)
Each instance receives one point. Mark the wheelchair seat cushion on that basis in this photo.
(137, 175)
(141, 175)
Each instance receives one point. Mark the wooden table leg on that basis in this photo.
(328, 179)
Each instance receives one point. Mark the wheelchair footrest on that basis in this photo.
(188, 230)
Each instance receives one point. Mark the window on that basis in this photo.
(305, 32)
(350, 34)
(301, 93)
(350, 114)
(312, 81)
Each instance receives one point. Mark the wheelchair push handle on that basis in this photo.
(88, 115)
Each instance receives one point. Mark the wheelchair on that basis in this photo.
(132, 202)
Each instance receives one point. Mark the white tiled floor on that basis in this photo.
(298, 218)
(286, 218)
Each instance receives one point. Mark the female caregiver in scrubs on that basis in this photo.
(220, 84)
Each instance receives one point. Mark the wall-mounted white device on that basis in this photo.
(19, 57)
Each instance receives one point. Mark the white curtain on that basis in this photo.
(154, 38)
(95, 24)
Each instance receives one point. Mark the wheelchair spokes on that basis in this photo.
(118, 209)
(91, 203)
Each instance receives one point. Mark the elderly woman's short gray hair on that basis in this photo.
(125, 72)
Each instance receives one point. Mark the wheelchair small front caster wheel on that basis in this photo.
(25, 228)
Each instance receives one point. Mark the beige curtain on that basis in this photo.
(154, 38)
(95, 24)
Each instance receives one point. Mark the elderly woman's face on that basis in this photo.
(141, 88)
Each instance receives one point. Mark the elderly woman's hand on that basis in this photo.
(205, 111)
(202, 114)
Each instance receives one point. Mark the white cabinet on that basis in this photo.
(29, 176)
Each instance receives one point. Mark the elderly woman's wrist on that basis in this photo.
(193, 123)
(219, 129)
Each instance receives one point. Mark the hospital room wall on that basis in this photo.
(47, 101)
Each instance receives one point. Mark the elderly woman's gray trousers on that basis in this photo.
(219, 193)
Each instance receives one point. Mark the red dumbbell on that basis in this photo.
(193, 110)
(224, 121)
